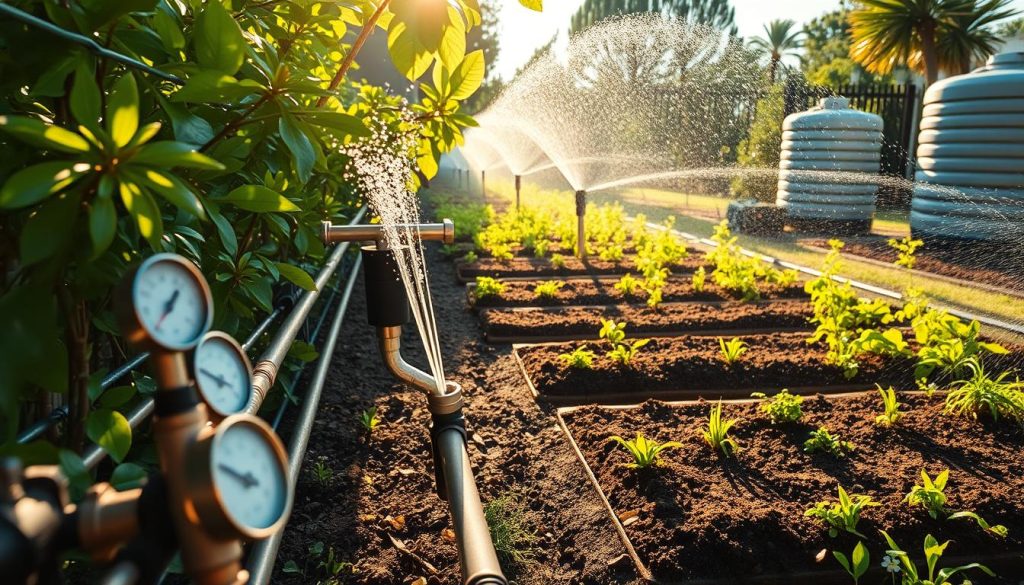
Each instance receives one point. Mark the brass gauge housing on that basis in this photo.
(222, 373)
(237, 479)
(164, 304)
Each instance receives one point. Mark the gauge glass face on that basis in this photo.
(222, 375)
(249, 477)
(171, 304)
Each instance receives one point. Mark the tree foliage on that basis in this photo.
(781, 38)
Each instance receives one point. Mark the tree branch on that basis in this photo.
(346, 63)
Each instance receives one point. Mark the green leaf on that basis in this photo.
(188, 127)
(453, 41)
(123, 110)
(43, 135)
(116, 396)
(85, 97)
(218, 39)
(48, 230)
(37, 182)
(167, 154)
(215, 87)
(350, 125)
(861, 559)
(74, 470)
(259, 199)
(845, 562)
(227, 233)
(145, 212)
(303, 155)
(303, 351)
(409, 56)
(537, 5)
(102, 224)
(170, 188)
(110, 430)
(296, 276)
(128, 476)
(291, 567)
(169, 31)
(468, 77)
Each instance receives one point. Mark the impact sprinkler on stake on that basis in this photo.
(387, 309)
(581, 210)
(519, 185)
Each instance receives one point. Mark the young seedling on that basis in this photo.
(470, 257)
(931, 495)
(580, 358)
(933, 552)
(996, 529)
(892, 413)
(979, 393)
(843, 514)
(732, 350)
(558, 261)
(622, 350)
(487, 287)
(716, 433)
(323, 473)
(906, 249)
(699, 278)
(369, 420)
(628, 285)
(822, 440)
(548, 290)
(858, 562)
(644, 451)
(781, 408)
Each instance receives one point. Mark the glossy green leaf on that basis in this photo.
(170, 188)
(303, 155)
(167, 154)
(350, 125)
(218, 39)
(32, 185)
(43, 135)
(85, 99)
(296, 276)
(144, 211)
(128, 476)
(188, 127)
(116, 396)
(74, 470)
(216, 88)
(102, 224)
(169, 30)
(259, 199)
(101, 12)
(48, 230)
(468, 77)
(110, 430)
(123, 110)
(453, 41)
(228, 239)
(410, 57)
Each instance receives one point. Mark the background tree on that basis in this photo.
(970, 37)
(717, 14)
(485, 38)
(781, 38)
(1011, 29)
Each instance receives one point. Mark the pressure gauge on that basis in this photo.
(165, 304)
(238, 478)
(223, 373)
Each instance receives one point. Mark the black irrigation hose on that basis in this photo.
(264, 553)
(86, 42)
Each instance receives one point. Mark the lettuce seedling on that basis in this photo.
(931, 495)
(644, 451)
(548, 290)
(892, 413)
(487, 287)
(579, 358)
(699, 278)
(781, 408)
(369, 420)
(622, 350)
(822, 440)
(628, 285)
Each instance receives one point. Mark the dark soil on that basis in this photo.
(516, 447)
(603, 292)
(534, 267)
(968, 262)
(701, 515)
(561, 322)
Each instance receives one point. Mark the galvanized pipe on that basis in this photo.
(441, 232)
(389, 340)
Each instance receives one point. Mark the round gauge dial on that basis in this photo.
(171, 302)
(222, 373)
(248, 468)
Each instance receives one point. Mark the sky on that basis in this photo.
(523, 30)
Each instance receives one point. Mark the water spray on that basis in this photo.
(387, 308)
(581, 210)
(519, 185)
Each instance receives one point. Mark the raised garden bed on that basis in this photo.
(602, 291)
(542, 267)
(534, 324)
(705, 518)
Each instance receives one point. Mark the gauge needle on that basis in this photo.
(246, 480)
(221, 382)
(168, 307)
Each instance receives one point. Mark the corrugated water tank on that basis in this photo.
(829, 165)
(970, 155)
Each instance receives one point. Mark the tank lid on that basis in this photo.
(1001, 78)
(834, 103)
(1012, 60)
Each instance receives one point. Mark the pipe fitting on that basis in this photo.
(443, 232)
(389, 340)
(449, 402)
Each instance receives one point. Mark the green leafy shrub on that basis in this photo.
(781, 408)
(823, 441)
(716, 432)
(906, 248)
(842, 514)
(488, 287)
(469, 218)
(548, 290)
(579, 358)
(643, 450)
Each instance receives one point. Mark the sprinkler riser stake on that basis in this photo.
(386, 302)
(581, 210)
(519, 185)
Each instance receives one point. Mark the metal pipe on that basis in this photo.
(581, 235)
(442, 232)
(389, 339)
(264, 553)
(483, 184)
(519, 185)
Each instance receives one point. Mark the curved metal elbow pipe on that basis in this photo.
(390, 341)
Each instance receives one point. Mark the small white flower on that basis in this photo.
(891, 564)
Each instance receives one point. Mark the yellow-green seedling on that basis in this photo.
(369, 420)
(996, 529)
(488, 287)
(716, 432)
(548, 290)
(979, 393)
(930, 494)
(628, 285)
(858, 562)
(700, 276)
(933, 552)
(732, 350)
(781, 408)
(906, 249)
(643, 450)
(580, 358)
(822, 440)
(842, 514)
(623, 350)
(558, 261)
(892, 413)
(514, 540)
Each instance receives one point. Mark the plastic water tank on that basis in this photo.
(830, 155)
(970, 155)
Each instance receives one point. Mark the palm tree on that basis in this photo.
(780, 40)
(926, 35)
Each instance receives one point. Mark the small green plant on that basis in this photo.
(540, 248)
(996, 529)
(643, 450)
(842, 514)
(906, 249)
(329, 567)
(369, 420)
(822, 440)
(716, 432)
(781, 408)
(732, 350)
(579, 358)
(892, 413)
(980, 393)
(548, 290)
(323, 473)
(858, 562)
(933, 552)
(558, 261)
(628, 285)
(699, 278)
(513, 539)
(611, 253)
(470, 257)
(487, 287)
(501, 252)
(623, 350)
(930, 495)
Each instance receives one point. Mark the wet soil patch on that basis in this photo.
(704, 516)
(677, 289)
(523, 325)
(542, 267)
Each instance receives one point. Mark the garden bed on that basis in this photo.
(534, 324)
(702, 517)
(602, 291)
(543, 267)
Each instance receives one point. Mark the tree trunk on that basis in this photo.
(931, 59)
(76, 316)
(773, 67)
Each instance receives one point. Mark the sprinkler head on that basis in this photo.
(581, 202)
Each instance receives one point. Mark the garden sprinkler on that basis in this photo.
(387, 309)
(581, 210)
(483, 184)
(519, 185)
